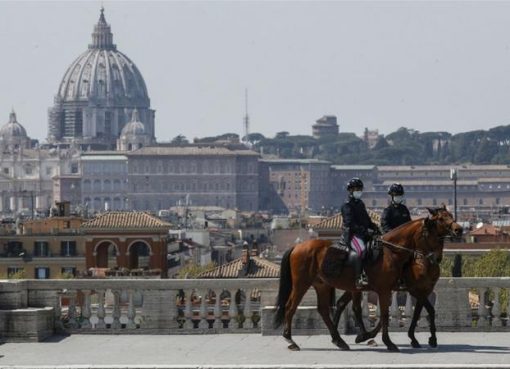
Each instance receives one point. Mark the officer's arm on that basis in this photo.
(385, 220)
(408, 214)
(347, 220)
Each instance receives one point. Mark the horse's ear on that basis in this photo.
(443, 206)
(432, 211)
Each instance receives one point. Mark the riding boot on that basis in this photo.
(360, 278)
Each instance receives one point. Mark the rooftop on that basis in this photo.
(261, 268)
(190, 150)
(125, 220)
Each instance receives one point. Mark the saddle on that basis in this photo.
(339, 255)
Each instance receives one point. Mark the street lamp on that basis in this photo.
(453, 177)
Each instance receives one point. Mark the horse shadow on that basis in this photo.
(425, 349)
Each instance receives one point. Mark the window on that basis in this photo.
(41, 248)
(465, 202)
(13, 270)
(14, 248)
(28, 170)
(6, 170)
(42, 273)
(68, 248)
(49, 171)
(68, 271)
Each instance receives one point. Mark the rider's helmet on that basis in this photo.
(354, 183)
(396, 189)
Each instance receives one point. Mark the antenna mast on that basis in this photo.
(246, 119)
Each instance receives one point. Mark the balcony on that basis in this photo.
(127, 306)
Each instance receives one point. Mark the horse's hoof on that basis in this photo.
(393, 348)
(361, 338)
(342, 345)
(294, 347)
(432, 342)
(415, 344)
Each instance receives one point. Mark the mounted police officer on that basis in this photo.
(396, 213)
(356, 227)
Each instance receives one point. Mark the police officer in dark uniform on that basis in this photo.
(396, 213)
(356, 226)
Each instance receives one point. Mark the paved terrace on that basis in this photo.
(456, 350)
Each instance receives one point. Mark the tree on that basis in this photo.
(179, 140)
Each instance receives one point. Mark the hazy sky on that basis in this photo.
(423, 65)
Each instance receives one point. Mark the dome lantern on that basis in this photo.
(102, 37)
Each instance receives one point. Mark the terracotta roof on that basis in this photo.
(260, 268)
(335, 222)
(125, 220)
(486, 230)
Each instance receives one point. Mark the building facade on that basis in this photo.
(161, 177)
(325, 127)
(301, 184)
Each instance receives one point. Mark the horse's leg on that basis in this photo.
(323, 301)
(416, 316)
(298, 291)
(341, 304)
(363, 335)
(432, 322)
(384, 301)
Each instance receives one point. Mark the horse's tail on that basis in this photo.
(284, 290)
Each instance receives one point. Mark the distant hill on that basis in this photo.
(403, 147)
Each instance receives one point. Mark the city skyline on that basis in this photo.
(428, 66)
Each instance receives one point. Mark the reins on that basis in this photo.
(398, 247)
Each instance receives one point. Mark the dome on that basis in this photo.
(12, 128)
(134, 127)
(102, 72)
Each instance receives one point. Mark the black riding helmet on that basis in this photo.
(396, 189)
(354, 183)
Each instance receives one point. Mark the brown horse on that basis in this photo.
(420, 277)
(301, 268)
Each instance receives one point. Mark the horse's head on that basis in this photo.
(441, 220)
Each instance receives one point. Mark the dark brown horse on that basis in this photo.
(301, 268)
(420, 277)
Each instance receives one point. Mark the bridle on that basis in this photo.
(417, 254)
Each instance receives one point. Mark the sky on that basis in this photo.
(430, 66)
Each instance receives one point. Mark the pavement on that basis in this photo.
(233, 351)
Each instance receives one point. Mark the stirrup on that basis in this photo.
(361, 282)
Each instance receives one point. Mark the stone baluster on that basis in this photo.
(116, 310)
(496, 309)
(100, 310)
(85, 310)
(72, 310)
(131, 312)
(217, 310)
(232, 312)
(187, 310)
(508, 307)
(394, 311)
(203, 324)
(482, 310)
(248, 323)
(59, 325)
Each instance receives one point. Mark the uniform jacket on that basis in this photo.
(356, 221)
(394, 216)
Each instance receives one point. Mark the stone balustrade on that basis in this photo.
(166, 306)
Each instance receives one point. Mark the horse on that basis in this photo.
(420, 277)
(301, 268)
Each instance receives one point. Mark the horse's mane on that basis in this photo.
(402, 226)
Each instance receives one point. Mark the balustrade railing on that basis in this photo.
(240, 305)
